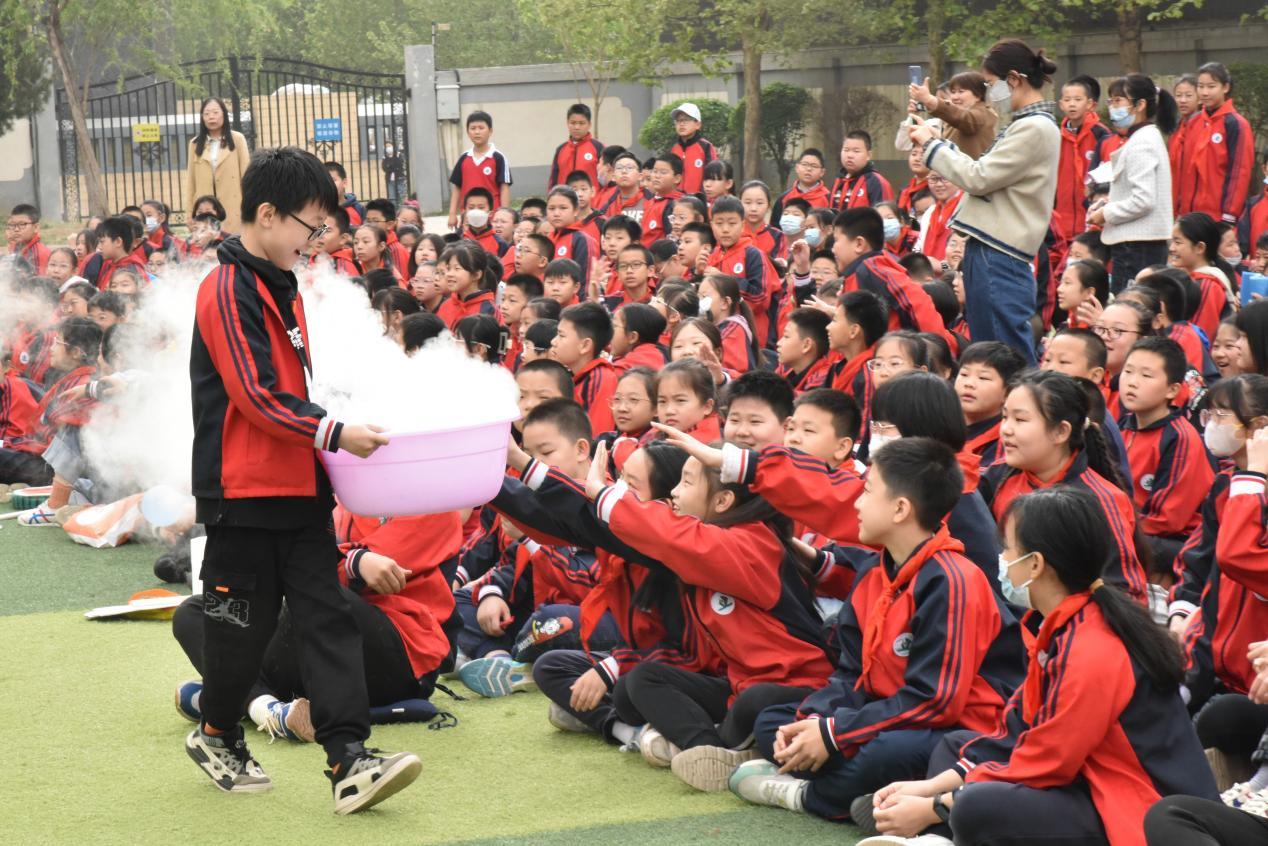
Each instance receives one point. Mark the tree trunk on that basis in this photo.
(935, 23)
(752, 107)
(89, 167)
(1130, 21)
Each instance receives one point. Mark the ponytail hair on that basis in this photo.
(1200, 227)
(1060, 399)
(472, 258)
(729, 287)
(1067, 525)
(1160, 106)
(1013, 55)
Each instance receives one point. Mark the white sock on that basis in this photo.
(258, 710)
(624, 732)
(195, 700)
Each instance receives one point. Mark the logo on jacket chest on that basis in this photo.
(1147, 482)
(721, 604)
(297, 338)
(1216, 138)
(902, 645)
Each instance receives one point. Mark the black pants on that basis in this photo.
(18, 466)
(1131, 257)
(555, 673)
(1236, 726)
(1003, 814)
(246, 573)
(1190, 821)
(690, 709)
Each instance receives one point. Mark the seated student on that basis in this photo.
(1081, 353)
(114, 242)
(935, 223)
(758, 405)
(1170, 466)
(755, 197)
(687, 399)
(986, 369)
(333, 249)
(687, 209)
(538, 308)
(538, 382)
(533, 255)
(392, 575)
(695, 245)
(698, 338)
(564, 282)
(718, 180)
(471, 275)
(62, 264)
(950, 309)
(859, 321)
(895, 353)
(1195, 249)
(802, 350)
(633, 407)
(864, 265)
(588, 218)
(634, 269)
(511, 613)
(1171, 288)
(74, 353)
(418, 329)
(567, 238)
(665, 259)
(887, 707)
(1095, 734)
(1084, 281)
(483, 338)
(519, 291)
(941, 358)
(534, 208)
(537, 340)
(859, 183)
(24, 224)
(75, 298)
(580, 151)
(477, 206)
(736, 255)
(808, 185)
(676, 301)
(1046, 439)
(741, 350)
(900, 240)
(158, 234)
(584, 332)
(793, 220)
(1119, 325)
(428, 286)
(636, 331)
(370, 249)
(1224, 348)
(667, 175)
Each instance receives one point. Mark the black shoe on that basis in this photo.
(173, 568)
(227, 761)
(861, 814)
(365, 777)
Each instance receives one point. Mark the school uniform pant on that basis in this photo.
(1131, 257)
(18, 466)
(890, 756)
(1190, 821)
(690, 709)
(999, 298)
(1236, 726)
(556, 671)
(557, 627)
(246, 574)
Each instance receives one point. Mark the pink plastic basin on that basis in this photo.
(423, 472)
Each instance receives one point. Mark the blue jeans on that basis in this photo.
(999, 298)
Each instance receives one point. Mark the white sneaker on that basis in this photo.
(656, 749)
(918, 840)
(227, 761)
(759, 782)
(709, 768)
(563, 720)
(1256, 804)
(1237, 795)
(367, 778)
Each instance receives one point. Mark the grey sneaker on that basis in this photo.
(656, 748)
(366, 777)
(709, 768)
(561, 719)
(227, 761)
(759, 782)
(862, 814)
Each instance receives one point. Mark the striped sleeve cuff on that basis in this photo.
(535, 473)
(827, 726)
(461, 575)
(352, 563)
(1181, 608)
(1246, 483)
(608, 498)
(531, 545)
(609, 670)
(328, 432)
(964, 766)
(484, 591)
(738, 464)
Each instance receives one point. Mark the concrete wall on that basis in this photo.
(30, 167)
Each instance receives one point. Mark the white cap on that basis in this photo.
(691, 110)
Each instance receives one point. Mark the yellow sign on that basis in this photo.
(145, 133)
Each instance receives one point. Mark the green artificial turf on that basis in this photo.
(95, 746)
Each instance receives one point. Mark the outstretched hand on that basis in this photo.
(705, 454)
(597, 478)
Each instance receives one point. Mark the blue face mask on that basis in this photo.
(1014, 594)
(892, 228)
(813, 237)
(1122, 118)
(790, 224)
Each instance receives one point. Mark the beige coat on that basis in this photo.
(224, 181)
(971, 129)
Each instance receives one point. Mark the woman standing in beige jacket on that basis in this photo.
(218, 157)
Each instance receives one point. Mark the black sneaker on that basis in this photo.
(173, 568)
(227, 761)
(366, 777)
(862, 814)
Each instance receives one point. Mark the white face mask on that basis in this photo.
(878, 441)
(706, 304)
(1016, 594)
(477, 218)
(999, 92)
(151, 223)
(1223, 439)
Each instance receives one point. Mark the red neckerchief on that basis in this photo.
(1032, 691)
(1036, 483)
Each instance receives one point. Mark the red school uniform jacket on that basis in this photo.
(939, 232)
(865, 188)
(924, 645)
(656, 212)
(1242, 546)
(1172, 473)
(983, 440)
(1219, 160)
(487, 239)
(454, 308)
(489, 171)
(695, 153)
(649, 354)
(814, 376)
(909, 306)
(31, 352)
(418, 544)
(575, 155)
(55, 411)
(130, 262)
(770, 240)
(737, 347)
(1213, 303)
(593, 387)
(1196, 559)
(1253, 223)
(816, 195)
(573, 243)
(19, 406)
(1108, 146)
(1177, 152)
(738, 592)
(340, 260)
(1078, 148)
(35, 253)
(759, 281)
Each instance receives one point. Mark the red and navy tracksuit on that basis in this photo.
(21, 455)
(571, 242)
(160, 239)
(36, 254)
(906, 196)
(650, 355)
(1172, 473)
(909, 306)
(695, 153)
(1219, 160)
(814, 376)
(1213, 303)
(760, 285)
(1078, 148)
(983, 440)
(770, 240)
(1252, 224)
(926, 647)
(490, 172)
(131, 262)
(31, 352)
(487, 239)
(633, 208)
(572, 155)
(341, 260)
(1083, 749)
(816, 195)
(265, 499)
(737, 346)
(454, 307)
(19, 406)
(656, 213)
(1196, 559)
(593, 387)
(860, 190)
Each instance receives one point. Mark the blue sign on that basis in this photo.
(327, 129)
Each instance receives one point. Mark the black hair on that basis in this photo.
(925, 472)
(472, 258)
(546, 308)
(1200, 227)
(343, 224)
(1092, 240)
(553, 369)
(720, 169)
(756, 183)
(1253, 321)
(565, 192)
(108, 301)
(665, 462)
(162, 209)
(288, 179)
(1160, 106)
(226, 133)
(799, 203)
(532, 203)
(1088, 84)
(1172, 291)
(844, 410)
(862, 222)
(484, 331)
(382, 279)
(1174, 364)
(1068, 527)
(540, 334)
(395, 298)
(565, 267)
(815, 152)
(621, 222)
(218, 208)
(1013, 55)
(704, 326)
(813, 324)
(627, 154)
(1094, 347)
(1219, 72)
(82, 334)
(672, 159)
(578, 109)
(578, 176)
(1000, 357)
(333, 167)
(944, 302)
(766, 387)
(860, 135)
(84, 290)
(592, 321)
(728, 205)
(867, 311)
(386, 207)
(729, 287)
(917, 264)
(437, 242)
(644, 320)
(1060, 399)
(1092, 274)
(543, 243)
(1142, 295)
(27, 210)
(565, 415)
(644, 253)
(479, 117)
(526, 282)
(611, 153)
(115, 227)
(1144, 315)
(417, 329)
(911, 342)
(479, 192)
(1245, 395)
(695, 374)
(693, 202)
(89, 237)
(922, 405)
(971, 81)
(661, 250)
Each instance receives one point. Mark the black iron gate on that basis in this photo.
(141, 127)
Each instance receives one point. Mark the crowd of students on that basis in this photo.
(780, 514)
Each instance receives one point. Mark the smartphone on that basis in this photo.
(916, 76)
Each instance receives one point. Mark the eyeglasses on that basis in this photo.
(657, 301)
(1208, 416)
(1112, 333)
(14, 227)
(631, 265)
(621, 401)
(882, 428)
(625, 169)
(876, 365)
(314, 232)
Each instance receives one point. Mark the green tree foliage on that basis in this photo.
(785, 111)
(23, 66)
(1250, 80)
(657, 133)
